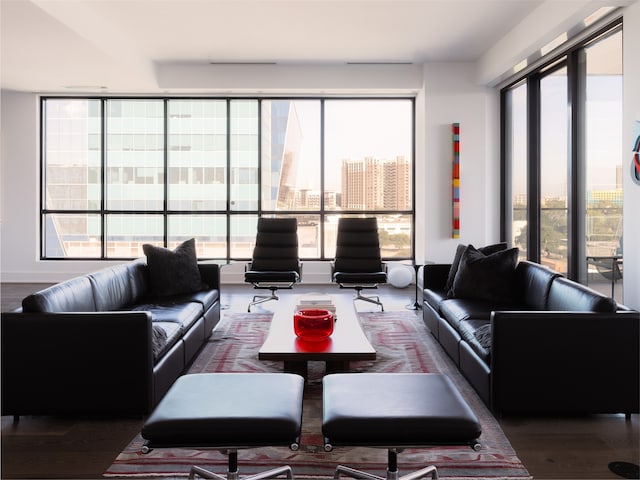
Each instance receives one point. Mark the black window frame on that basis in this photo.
(228, 212)
(574, 59)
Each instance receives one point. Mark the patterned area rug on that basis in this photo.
(402, 343)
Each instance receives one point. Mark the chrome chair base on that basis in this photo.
(232, 472)
(371, 299)
(258, 299)
(431, 470)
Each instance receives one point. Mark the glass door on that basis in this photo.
(554, 151)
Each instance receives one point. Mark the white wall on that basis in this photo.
(451, 95)
(19, 196)
(631, 220)
(448, 94)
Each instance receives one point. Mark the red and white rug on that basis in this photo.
(402, 343)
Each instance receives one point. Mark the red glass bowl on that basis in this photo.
(313, 324)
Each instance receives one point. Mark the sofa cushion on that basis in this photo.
(486, 277)
(434, 297)
(117, 287)
(182, 314)
(487, 250)
(74, 295)
(207, 298)
(533, 282)
(172, 272)
(455, 310)
(158, 340)
(566, 295)
(477, 333)
(165, 336)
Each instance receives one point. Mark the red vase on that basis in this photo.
(313, 324)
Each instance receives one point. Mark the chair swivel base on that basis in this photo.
(274, 286)
(258, 299)
(371, 299)
(392, 471)
(232, 471)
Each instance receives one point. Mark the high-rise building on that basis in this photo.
(376, 184)
(282, 139)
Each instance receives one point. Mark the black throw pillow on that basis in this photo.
(486, 277)
(173, 272)
(487, 250)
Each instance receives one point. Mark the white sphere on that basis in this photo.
(400, 276)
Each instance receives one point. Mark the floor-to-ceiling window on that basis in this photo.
(554, 139)
(562, 159)
(603, 158)
(516, 154)
(121, 172)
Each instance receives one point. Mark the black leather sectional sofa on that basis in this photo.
(102, 343)
(552, 346)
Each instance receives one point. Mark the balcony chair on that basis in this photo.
(275, 263)
(357, 263)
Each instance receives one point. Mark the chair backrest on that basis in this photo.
(358, 246)
(276, 248)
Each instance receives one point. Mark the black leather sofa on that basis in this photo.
(555, 346)
(102, 344)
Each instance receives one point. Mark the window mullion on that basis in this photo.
(165, 202)
(533, 162)
(577, 71)
(103, 176)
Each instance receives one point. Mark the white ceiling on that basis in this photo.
(76, 45)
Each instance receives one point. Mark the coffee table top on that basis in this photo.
(347, 342)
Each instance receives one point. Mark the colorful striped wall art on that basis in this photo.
(455, 130)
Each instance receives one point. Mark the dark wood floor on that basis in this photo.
(551, 448)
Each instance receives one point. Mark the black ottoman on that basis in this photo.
(227, 412)
(395, 411)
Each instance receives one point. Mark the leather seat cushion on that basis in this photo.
(360, 277)
(228, 409)
(207, 298)
(165, 336)
(183, 314)
(434, 297)
(395, 410)
(455, 310)
(477, 333)
(253, 276)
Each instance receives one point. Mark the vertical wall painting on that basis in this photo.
(455, 131)
(635, 159)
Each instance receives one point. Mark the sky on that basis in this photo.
(353, 129)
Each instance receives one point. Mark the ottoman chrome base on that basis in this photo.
(232, 471)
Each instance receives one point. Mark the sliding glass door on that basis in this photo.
(562, 161)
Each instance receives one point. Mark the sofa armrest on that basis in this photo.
(435, 275)
(58, 363)
(210, 274)
(549, 361)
